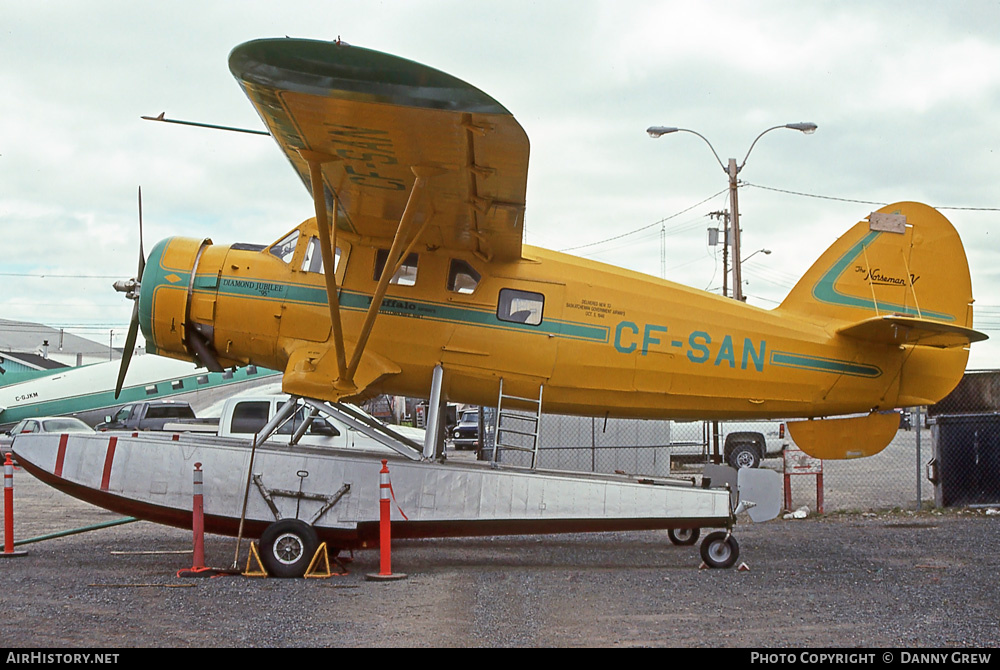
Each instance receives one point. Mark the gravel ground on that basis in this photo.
(903, 580)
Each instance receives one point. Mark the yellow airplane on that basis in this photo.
(413, 275)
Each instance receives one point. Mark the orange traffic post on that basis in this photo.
(385, 529)
(8, 510)
(198, 568)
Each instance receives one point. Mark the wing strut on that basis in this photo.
(402, 245)
(328, 241)
(397, 253)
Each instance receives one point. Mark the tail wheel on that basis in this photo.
(287, 547)
(683, 536)
(720, 550)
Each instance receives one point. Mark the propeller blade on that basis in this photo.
(142, 256)
(133, 332)
(133, 326)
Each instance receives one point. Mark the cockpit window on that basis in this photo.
(313, 261)
(406, 275)
(462, 277)
(520, 306)
(286, 247)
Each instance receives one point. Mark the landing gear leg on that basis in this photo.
(434, 437)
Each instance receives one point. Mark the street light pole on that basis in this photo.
(734, 209)
(732, 170)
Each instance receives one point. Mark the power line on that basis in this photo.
(863, 202)
(646, 227)
(810, 195)
(56, 276)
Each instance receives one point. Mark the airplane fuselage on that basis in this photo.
(594, 335)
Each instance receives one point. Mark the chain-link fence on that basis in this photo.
(944, 455)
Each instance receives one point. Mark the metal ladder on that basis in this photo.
(521, 430)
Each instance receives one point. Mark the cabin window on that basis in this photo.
(406, 275)
(177, 384)
(462, 277)
(251, 369)
(285, 248)
(151, 389)
(520, 306)
(202, 379)
(251, 416)
(313, 260)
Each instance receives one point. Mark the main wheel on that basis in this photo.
(683, 536)
(287, 547)
(744, 456)
(720, 550)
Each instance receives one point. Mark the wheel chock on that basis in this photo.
(743, 567)
(259, 571)
(321, 559)
(321, 556)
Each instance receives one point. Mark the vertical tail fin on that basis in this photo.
(906, 259)
(899, 278)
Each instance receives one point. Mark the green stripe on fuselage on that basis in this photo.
(803, 362)
(304, 294)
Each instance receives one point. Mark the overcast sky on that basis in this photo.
(905, 95)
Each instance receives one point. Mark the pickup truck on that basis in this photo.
(744, 443)
(151, 415)
(466, 433)
(244, 415)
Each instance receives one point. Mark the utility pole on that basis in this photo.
(724, 215)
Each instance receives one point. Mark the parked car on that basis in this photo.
(150, 415)
(244, 415)
(744, 443)
(466, 433)
(45, 424)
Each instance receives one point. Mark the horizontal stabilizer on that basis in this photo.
(895, 329)
(845, 437)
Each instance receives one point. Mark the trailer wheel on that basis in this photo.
(720, 550)
(683, 536)
(287, 547)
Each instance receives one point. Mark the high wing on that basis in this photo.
(374, 120)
